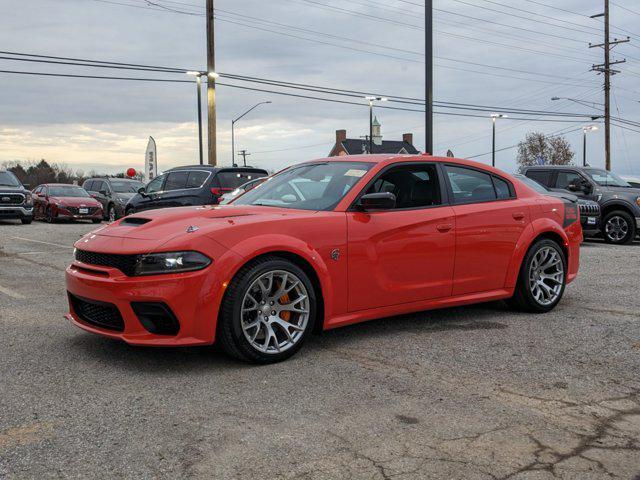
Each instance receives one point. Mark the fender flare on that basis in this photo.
(254, 247)
(537, 227)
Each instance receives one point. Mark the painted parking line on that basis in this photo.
(11, 293)
(44, 243)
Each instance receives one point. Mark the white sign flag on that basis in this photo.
(151, 161)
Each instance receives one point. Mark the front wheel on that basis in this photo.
(26, 221)
(50, 216)
(542, 278)
(267, 312)
(619, 228)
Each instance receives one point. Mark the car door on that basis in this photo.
(569, 180)
(153, 190)
(174, 192)
(100, 191)
(405, 254)
(489, 222)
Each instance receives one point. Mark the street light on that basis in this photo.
(233, 136)
(585, 130)
(579, 102)
(371, 100)
(198, 76)
(494, 117)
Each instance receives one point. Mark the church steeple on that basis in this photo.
(377, 136)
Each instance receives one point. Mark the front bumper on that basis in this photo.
(16, 212)
(192, 297)
(590, 225)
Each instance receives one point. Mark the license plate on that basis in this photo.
(591, 221)
(83, 210)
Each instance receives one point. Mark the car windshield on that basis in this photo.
(606, 179)
(318, 186)
(8, 179)
(538, 187)
(122, 186)
(69, 191)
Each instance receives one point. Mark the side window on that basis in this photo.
(88, 186)
(540, 176)
(176, 181)
(503, 190)
(470, 186)
(414, 186)
(568, 178)
(196, 179)
(155, 185)
(98, 185)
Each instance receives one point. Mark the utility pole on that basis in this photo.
(605, 68)
(244, 155)
(211, 84)
(428, 47)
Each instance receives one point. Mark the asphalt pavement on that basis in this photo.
(467, 393)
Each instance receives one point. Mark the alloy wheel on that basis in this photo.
(546, 276)
(275, 312)
(112, 214)
(616, 228)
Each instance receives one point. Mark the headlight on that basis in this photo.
(28, 199)
(171, 262)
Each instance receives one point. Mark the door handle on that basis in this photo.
(444, 227)
(518, 216)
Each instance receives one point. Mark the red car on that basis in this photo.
(320, 245)
(58, 201)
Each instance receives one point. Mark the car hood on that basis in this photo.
(7, 189)
(126, 196)
(630, 191)
(171, 226)
(75, 201)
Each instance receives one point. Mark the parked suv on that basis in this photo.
(16, 201)
(113, 194)
(194, 185)
(589, 209)
(619, 201)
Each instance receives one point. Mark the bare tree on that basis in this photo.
(539, 149)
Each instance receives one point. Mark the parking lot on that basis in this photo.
(468, 393)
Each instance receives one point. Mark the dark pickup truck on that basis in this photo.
(619, 202)
(16, 202)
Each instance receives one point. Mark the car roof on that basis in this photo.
(113, 178)
(554, 167)
(216, 168)
(58, 185)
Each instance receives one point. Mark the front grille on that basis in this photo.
(76, 210)
(9, 199)
(589, 208)
(125, 263)
(100, 314)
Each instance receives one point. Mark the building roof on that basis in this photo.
(354, 146)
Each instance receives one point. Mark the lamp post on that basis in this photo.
(233, 136)
(198, 76)
(494, 117)
(371, 100)
(585, 130)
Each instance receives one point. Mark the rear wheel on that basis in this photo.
(618, 228)
(26, 221)
(267, 312)
(96, 220)
(542, 278)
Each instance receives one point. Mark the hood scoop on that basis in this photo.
(134, 221)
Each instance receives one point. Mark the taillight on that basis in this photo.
(571, 213)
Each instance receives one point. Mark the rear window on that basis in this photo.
(233, 180)
(197, 179)
(470, 186)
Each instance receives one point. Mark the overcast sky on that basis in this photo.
(104, 124)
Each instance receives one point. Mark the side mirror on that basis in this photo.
(574, 188)
(41, 195)
(377, 201)
(103, 192)
(142, 191)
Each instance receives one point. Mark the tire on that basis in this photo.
(618, 228)
(49, 216)
(524, 297)
(270, 343)
(112, 216)
(26, 221)
(96, 220)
